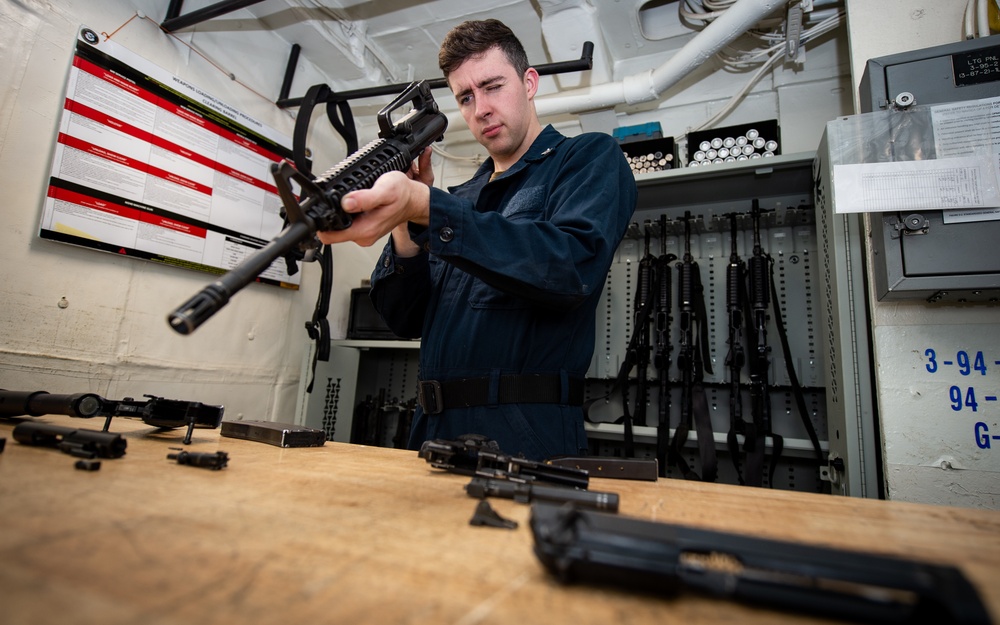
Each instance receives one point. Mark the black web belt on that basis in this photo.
(437, 395)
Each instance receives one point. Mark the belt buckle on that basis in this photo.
(429, 396)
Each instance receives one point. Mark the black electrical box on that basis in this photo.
(364, 321)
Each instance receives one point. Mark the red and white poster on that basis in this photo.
(149, 166)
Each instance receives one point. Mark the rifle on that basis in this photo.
(692, 365)
(597, 547)
(476, 455)
(403, 423)
(157, 411)
(644, 297)
(661, 356)
(638, 344)
(205, 460)
(398, 145)
(736, 358)
(482, 487)
(758, 270)
(79, 443)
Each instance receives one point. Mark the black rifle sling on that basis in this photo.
(359, 421)
(621, 383)
(342, 119)
(338, 112)
(800, 400)
(676, 452)
(303, 120)
(737, 426)
(621, 388)
(755, 444)
(733, 445)
(626, 418)
(319, 328)
(777, 441)
(699, 405)
(632, 360)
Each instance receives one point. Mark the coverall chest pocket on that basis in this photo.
(525, 205)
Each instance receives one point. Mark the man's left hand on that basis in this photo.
(395, 198)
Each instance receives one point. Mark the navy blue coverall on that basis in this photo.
(508, 282)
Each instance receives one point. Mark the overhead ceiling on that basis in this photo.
(360, 44)
(647, 54)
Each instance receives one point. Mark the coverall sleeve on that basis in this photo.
(401, 289)
(553, 241)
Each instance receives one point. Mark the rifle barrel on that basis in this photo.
(194, 312)
(38, 403)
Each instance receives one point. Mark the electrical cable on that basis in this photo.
(982, 18)
(229, 75)
(739, 95)
(476, 159)
(769, 58)
(742, 59)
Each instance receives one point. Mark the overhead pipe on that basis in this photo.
(648, 85)
(175, 21)
(585, 62)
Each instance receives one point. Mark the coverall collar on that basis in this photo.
(541, 148)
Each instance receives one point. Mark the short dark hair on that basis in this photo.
(475, 37)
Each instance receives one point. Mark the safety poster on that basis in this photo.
(149, 166)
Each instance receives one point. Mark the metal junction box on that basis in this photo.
(920, 255)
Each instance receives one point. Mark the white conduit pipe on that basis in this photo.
(646, 86)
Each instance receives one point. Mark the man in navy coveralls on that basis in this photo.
(499, 277)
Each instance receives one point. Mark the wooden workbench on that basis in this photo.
(351, 534)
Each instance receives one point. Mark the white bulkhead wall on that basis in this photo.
(112, 337)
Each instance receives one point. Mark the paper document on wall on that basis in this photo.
(147, 165)
(941, 157)
(961, 128)
(945, 183)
